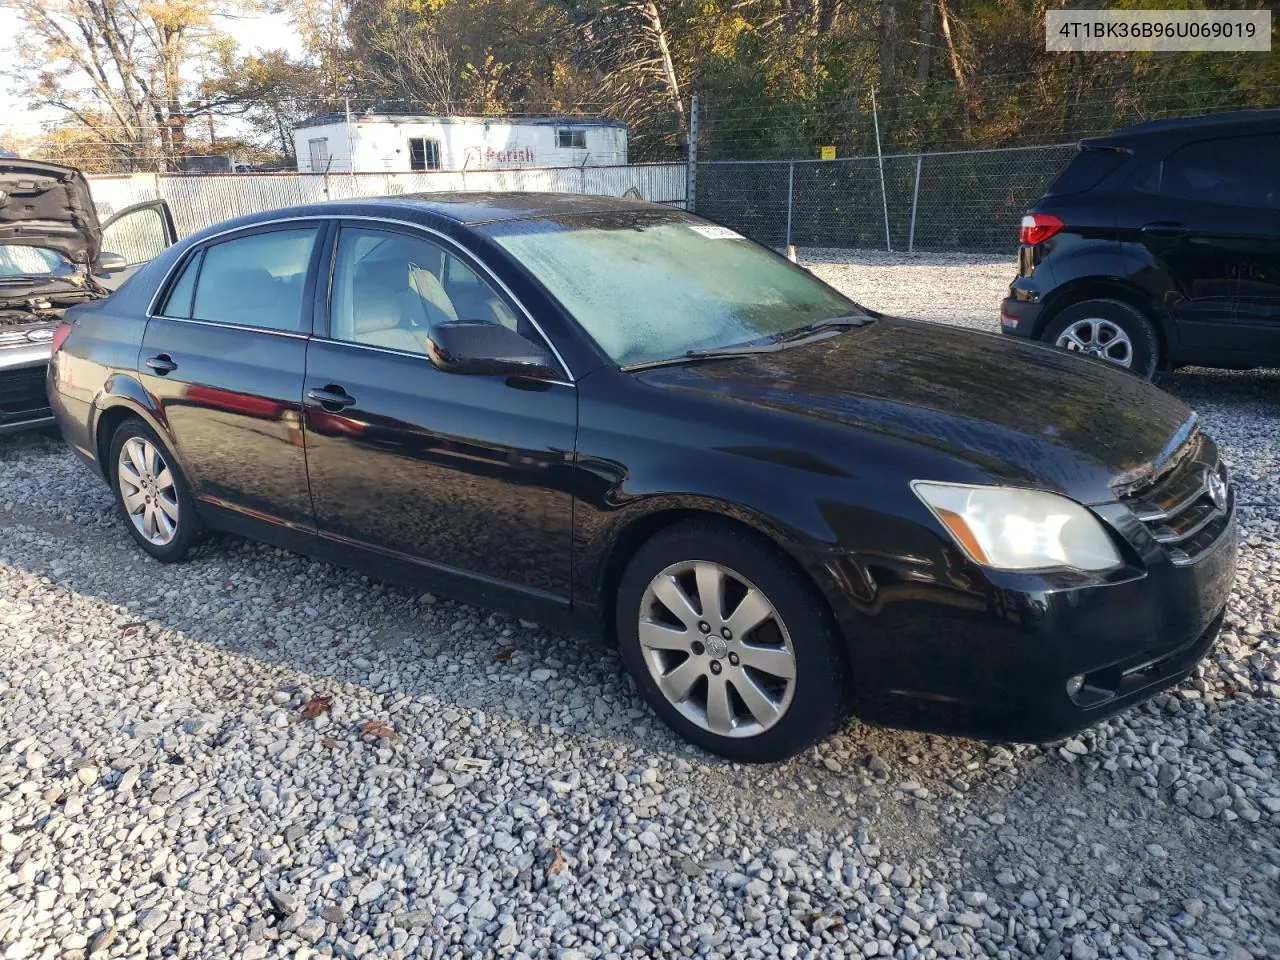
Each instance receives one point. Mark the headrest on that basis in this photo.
(375, 310)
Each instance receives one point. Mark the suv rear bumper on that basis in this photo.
(1018, 318)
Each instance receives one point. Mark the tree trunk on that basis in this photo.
(669, 79)
(957, 65)
(924, 59)
(888, 43)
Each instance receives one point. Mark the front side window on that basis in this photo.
(390, 289)
(569, 139)
(137, 235)
(424, 154)
(256, 281)
(652, 286)
(1235, 171)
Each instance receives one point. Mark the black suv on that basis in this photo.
(1159, 246)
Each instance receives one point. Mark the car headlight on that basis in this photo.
(1012, 529)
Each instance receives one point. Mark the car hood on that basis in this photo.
(47, 205)
(1001, 409)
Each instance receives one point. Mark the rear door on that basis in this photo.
(225, 355)
(1210, 213)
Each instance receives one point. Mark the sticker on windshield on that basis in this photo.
(713, 232)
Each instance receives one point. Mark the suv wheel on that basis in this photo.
(1110, 330)
(729, 643)
(151, 493)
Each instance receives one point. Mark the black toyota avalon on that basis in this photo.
(617, 416)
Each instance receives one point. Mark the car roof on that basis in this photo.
(1239, 122)
(467, 209)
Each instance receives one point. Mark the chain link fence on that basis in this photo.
(958, 200)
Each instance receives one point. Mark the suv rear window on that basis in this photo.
(1087, 169)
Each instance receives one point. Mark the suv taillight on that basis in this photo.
(60, 336)
(1039, 227)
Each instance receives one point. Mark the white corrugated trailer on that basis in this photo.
(383, 143)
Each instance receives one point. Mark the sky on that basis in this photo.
(249, 31)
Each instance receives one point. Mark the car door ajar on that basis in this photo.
(225, 356)
(466, 474)
(137, 234)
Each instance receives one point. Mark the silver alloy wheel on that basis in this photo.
(717, 649)
(146, 487)
(1098, 338)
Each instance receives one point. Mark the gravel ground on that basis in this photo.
(254, 755)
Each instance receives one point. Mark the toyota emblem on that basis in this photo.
(1217, 489)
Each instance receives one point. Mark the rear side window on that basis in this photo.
(256, 281)
(178, 303)
(1233, 171)
(1087, 169)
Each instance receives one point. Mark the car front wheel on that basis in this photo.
(1110, 330)
(730, 644)
(151, 493)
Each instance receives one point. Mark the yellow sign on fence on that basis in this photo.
(829, 153)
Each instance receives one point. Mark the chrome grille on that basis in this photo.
(1180, 509)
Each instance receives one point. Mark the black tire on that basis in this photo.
(817, 703)
(1145, 353)
(189, 530)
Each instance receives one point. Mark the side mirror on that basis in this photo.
(472, 346)
(109, 263)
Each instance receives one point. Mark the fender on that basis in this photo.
(1121, 270)
(123, 392)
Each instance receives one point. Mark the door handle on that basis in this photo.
(332, 397)
(1165, 230)
(162, 364)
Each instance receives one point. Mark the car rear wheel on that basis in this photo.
(1110, 330)
(151, 493)
(729, 643)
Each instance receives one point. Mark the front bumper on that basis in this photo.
(24, 401)
(993, 662)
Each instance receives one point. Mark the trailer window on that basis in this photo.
(568, 139)
(424, 154)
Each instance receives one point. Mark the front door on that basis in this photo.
(469, 475)
(225, 356)
(138, 234)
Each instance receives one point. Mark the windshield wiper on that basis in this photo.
(853, 320)
(710, 353)
(789, 339)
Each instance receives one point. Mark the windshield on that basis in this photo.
(649, 286)
(21, 261)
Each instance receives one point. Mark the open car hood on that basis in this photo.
(47, 205)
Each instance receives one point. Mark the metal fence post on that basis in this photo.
(791, 192)
(884, 195)
(691, 174)
(915, 195)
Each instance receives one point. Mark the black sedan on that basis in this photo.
(616, 416)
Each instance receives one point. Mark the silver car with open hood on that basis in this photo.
(54, 253)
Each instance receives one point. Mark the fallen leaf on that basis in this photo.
(503, 656)
(558, 864)
(316, 706)
(331, 743)
(376, 728)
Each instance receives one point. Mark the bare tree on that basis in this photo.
(115, 67)
(633, 45)
(413, 67)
